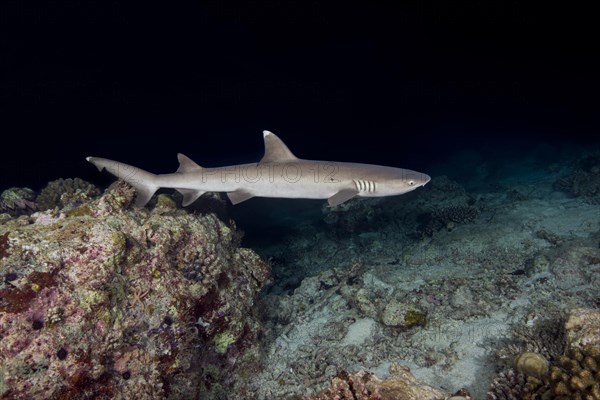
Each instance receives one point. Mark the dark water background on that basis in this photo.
(411, 86)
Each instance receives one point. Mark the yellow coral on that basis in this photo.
(532, 364)
(574, 376)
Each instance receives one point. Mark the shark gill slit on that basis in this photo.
(364, 185)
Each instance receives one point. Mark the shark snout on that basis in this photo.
(425, 179)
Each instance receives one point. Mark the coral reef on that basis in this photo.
(508, 385)
(572, 375)
(17, 201)
(583, 328)
(96, 303)
(546, 338)
(365, 386)
(66, 192)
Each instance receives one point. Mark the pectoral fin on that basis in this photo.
(239, 195)
(341, 196)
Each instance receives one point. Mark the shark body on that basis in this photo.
(278, 174)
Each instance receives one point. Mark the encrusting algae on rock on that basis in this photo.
(95, 301)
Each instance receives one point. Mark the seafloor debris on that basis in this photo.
(98, 302)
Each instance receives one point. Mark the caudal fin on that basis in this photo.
(142, 181)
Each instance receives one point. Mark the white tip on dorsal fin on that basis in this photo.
(275, 149)
(186, 164)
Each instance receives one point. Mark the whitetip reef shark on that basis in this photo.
(278, 174)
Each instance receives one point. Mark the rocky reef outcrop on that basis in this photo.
(64, 192)
(106, 301)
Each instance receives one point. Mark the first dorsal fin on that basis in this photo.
(186, 164)
(276, 150)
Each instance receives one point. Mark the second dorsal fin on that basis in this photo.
(276, 150)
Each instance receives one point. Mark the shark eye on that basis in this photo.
(411, 183)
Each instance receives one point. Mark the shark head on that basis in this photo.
(412, 180)
(399, 181)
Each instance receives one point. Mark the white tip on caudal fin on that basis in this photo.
(142, 181)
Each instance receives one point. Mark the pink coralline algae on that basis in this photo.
(98, 302)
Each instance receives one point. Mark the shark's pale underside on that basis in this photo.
(278, 174)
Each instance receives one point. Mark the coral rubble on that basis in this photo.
(365, 386)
